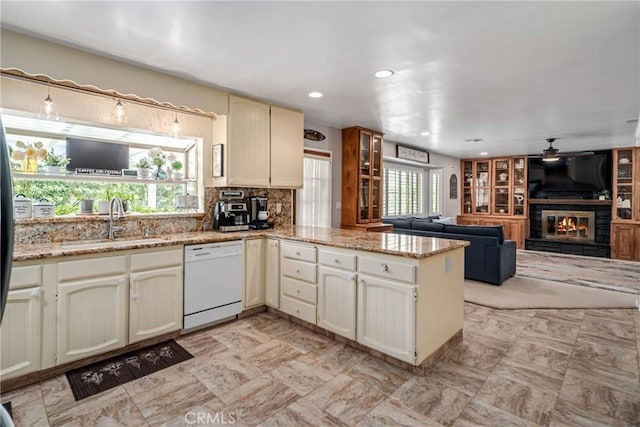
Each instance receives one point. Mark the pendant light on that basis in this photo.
(175, 128)
(47, 110)
(119, 113)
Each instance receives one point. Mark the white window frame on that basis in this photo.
(409, 168)
(427, 182)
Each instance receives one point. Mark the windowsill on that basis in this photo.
(95, 217)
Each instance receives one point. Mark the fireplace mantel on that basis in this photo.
(570, 202)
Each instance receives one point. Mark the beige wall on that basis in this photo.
(36, 56)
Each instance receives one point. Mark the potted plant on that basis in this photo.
(144, 167)
(55, 162)
(176, 166)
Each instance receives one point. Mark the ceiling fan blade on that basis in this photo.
(575, 153)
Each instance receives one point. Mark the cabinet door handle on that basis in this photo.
(384, 267)
(35, 293)
(134, 288)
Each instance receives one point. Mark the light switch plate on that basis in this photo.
(278, 208)
(448, 264)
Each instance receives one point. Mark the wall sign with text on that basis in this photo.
(408, 153)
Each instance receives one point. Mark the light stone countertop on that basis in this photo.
(386, 243)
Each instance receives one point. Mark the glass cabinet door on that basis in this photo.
(376, 200)
(624, 184)
(482, 187)
(365, 153)
(501, 188)
(519, 186)
(364, 200)
(377, 158)
(467, 184)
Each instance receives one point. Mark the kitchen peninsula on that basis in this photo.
(398, 297)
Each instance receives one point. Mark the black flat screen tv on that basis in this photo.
(577, 174)
(97, 155)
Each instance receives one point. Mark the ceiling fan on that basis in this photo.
(552, 154)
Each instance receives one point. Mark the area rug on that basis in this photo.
(117, 370)
(592, 272)
(524, 292)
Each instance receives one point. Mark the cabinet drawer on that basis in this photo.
(299, 270)
(301, 290)
(337, 260)
(299, 309)
(157, 259)
(388, 269)
(70, 270)
(23, 277)
(301, 252)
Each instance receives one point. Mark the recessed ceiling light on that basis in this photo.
(383, 74)
(425, 133)
(473, 140)
(315, 94)
(484, 153)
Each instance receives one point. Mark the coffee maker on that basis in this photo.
(258, 213)
(230, 213)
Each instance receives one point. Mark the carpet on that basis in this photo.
(117, 370)
(521, 292)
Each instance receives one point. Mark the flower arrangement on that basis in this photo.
(143, 163)
(29, 154)
(158, 157)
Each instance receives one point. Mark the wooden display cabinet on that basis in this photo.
(494, 192)
(625, 225)
(362, 179)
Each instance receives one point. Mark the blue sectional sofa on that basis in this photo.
(490, 258)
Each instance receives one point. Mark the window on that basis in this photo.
(313, 201)
(435, 192)
(403, 190)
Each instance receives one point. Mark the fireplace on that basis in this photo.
(574, 225)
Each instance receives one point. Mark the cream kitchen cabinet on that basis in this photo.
(386, 317)
(272, 273)
(20, 335)
(337, 301)
(264, 146)
(287, 148)
(254, 272)
(298, 281)
(92, 314)
(155, 294)
(248, 155)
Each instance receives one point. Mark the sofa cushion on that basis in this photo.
(477, 230)
(425, 225)
(399, 222)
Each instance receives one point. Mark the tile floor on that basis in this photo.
(513, 368)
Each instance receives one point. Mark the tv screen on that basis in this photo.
(100, 156)
(590, 173)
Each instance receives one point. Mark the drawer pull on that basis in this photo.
(298, 270)
(298, 310)
(298, 253)
(384, 267)
(35, 293)
(336, 260)
(298, 290)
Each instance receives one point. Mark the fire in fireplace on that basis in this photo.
(575, 225)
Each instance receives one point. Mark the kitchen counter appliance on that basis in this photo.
(212, 283)
(230, 213)
(258, 213)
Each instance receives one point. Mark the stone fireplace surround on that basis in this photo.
(599, 247)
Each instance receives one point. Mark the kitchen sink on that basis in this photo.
(110, 243)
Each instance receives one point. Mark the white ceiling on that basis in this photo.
(513, 73)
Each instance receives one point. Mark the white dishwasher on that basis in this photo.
(212, 283)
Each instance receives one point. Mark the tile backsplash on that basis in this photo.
(275, 196)
(96, 227)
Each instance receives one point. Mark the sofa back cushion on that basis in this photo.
(478, 230)
(425, 225)
(399, 222)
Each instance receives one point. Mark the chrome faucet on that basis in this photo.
(120, 209)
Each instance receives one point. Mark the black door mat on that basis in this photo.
(118, 370)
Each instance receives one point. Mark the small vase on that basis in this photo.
(30, 165)
(159, 173)
(54, 170)
(144, 173)
(178, 175)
